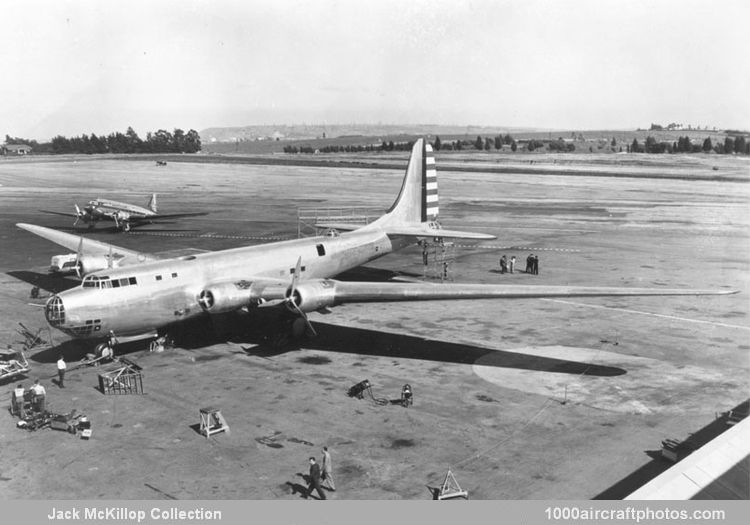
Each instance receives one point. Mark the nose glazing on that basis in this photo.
(54, 311)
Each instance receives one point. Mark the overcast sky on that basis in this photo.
(72, 67)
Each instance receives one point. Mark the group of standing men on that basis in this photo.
(36, 392)
(38, 396)
(532, 264)
(317, 475)
(508, 266)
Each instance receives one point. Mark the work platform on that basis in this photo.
(308, 219)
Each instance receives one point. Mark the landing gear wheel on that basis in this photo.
(104, 351)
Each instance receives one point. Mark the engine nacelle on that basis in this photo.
(228, 296)
(93, 263)
(63, 264)
(314, 295)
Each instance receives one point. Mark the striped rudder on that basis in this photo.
(429, 185)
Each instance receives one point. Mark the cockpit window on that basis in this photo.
(93, 281)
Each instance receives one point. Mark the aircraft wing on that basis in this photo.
(88, 246)
(329, 292)
(64, 214)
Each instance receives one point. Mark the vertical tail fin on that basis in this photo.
(152, 204)
(417, 201)
(415, 211)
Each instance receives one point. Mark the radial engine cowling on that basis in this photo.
(227, 297)
(314, 295)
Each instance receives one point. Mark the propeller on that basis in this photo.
(290, 297)
(109, 258)
(79, 253)
(79, 215)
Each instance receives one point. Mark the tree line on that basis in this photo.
(161, 141)
(389, 145)
(739, 145)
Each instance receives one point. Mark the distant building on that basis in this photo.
(16, 149)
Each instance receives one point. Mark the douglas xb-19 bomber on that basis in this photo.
(144, 295)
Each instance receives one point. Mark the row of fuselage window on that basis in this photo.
(105, 282)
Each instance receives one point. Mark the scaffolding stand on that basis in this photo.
(212, 422)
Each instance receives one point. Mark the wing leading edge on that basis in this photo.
(329, 292)
(86, 245)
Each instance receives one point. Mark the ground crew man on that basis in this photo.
(315, 480)
(39, 400)
(328, 470)
(61, 367)
(18, 401)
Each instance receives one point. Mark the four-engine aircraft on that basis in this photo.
(125, 216)
(144, 294)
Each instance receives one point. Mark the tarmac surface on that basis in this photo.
(522, 399)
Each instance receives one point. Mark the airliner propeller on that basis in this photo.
(79, 215)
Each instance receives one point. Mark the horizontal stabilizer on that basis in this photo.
(411, 230)
(423, 230)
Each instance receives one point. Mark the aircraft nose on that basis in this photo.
(54, 311)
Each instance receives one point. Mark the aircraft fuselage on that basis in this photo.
(152, 295)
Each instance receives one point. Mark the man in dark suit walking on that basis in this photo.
(315, 480)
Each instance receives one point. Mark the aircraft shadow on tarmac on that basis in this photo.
(48, 282)
(360, 341)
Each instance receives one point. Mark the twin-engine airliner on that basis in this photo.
(124, 215)
(144, 295)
